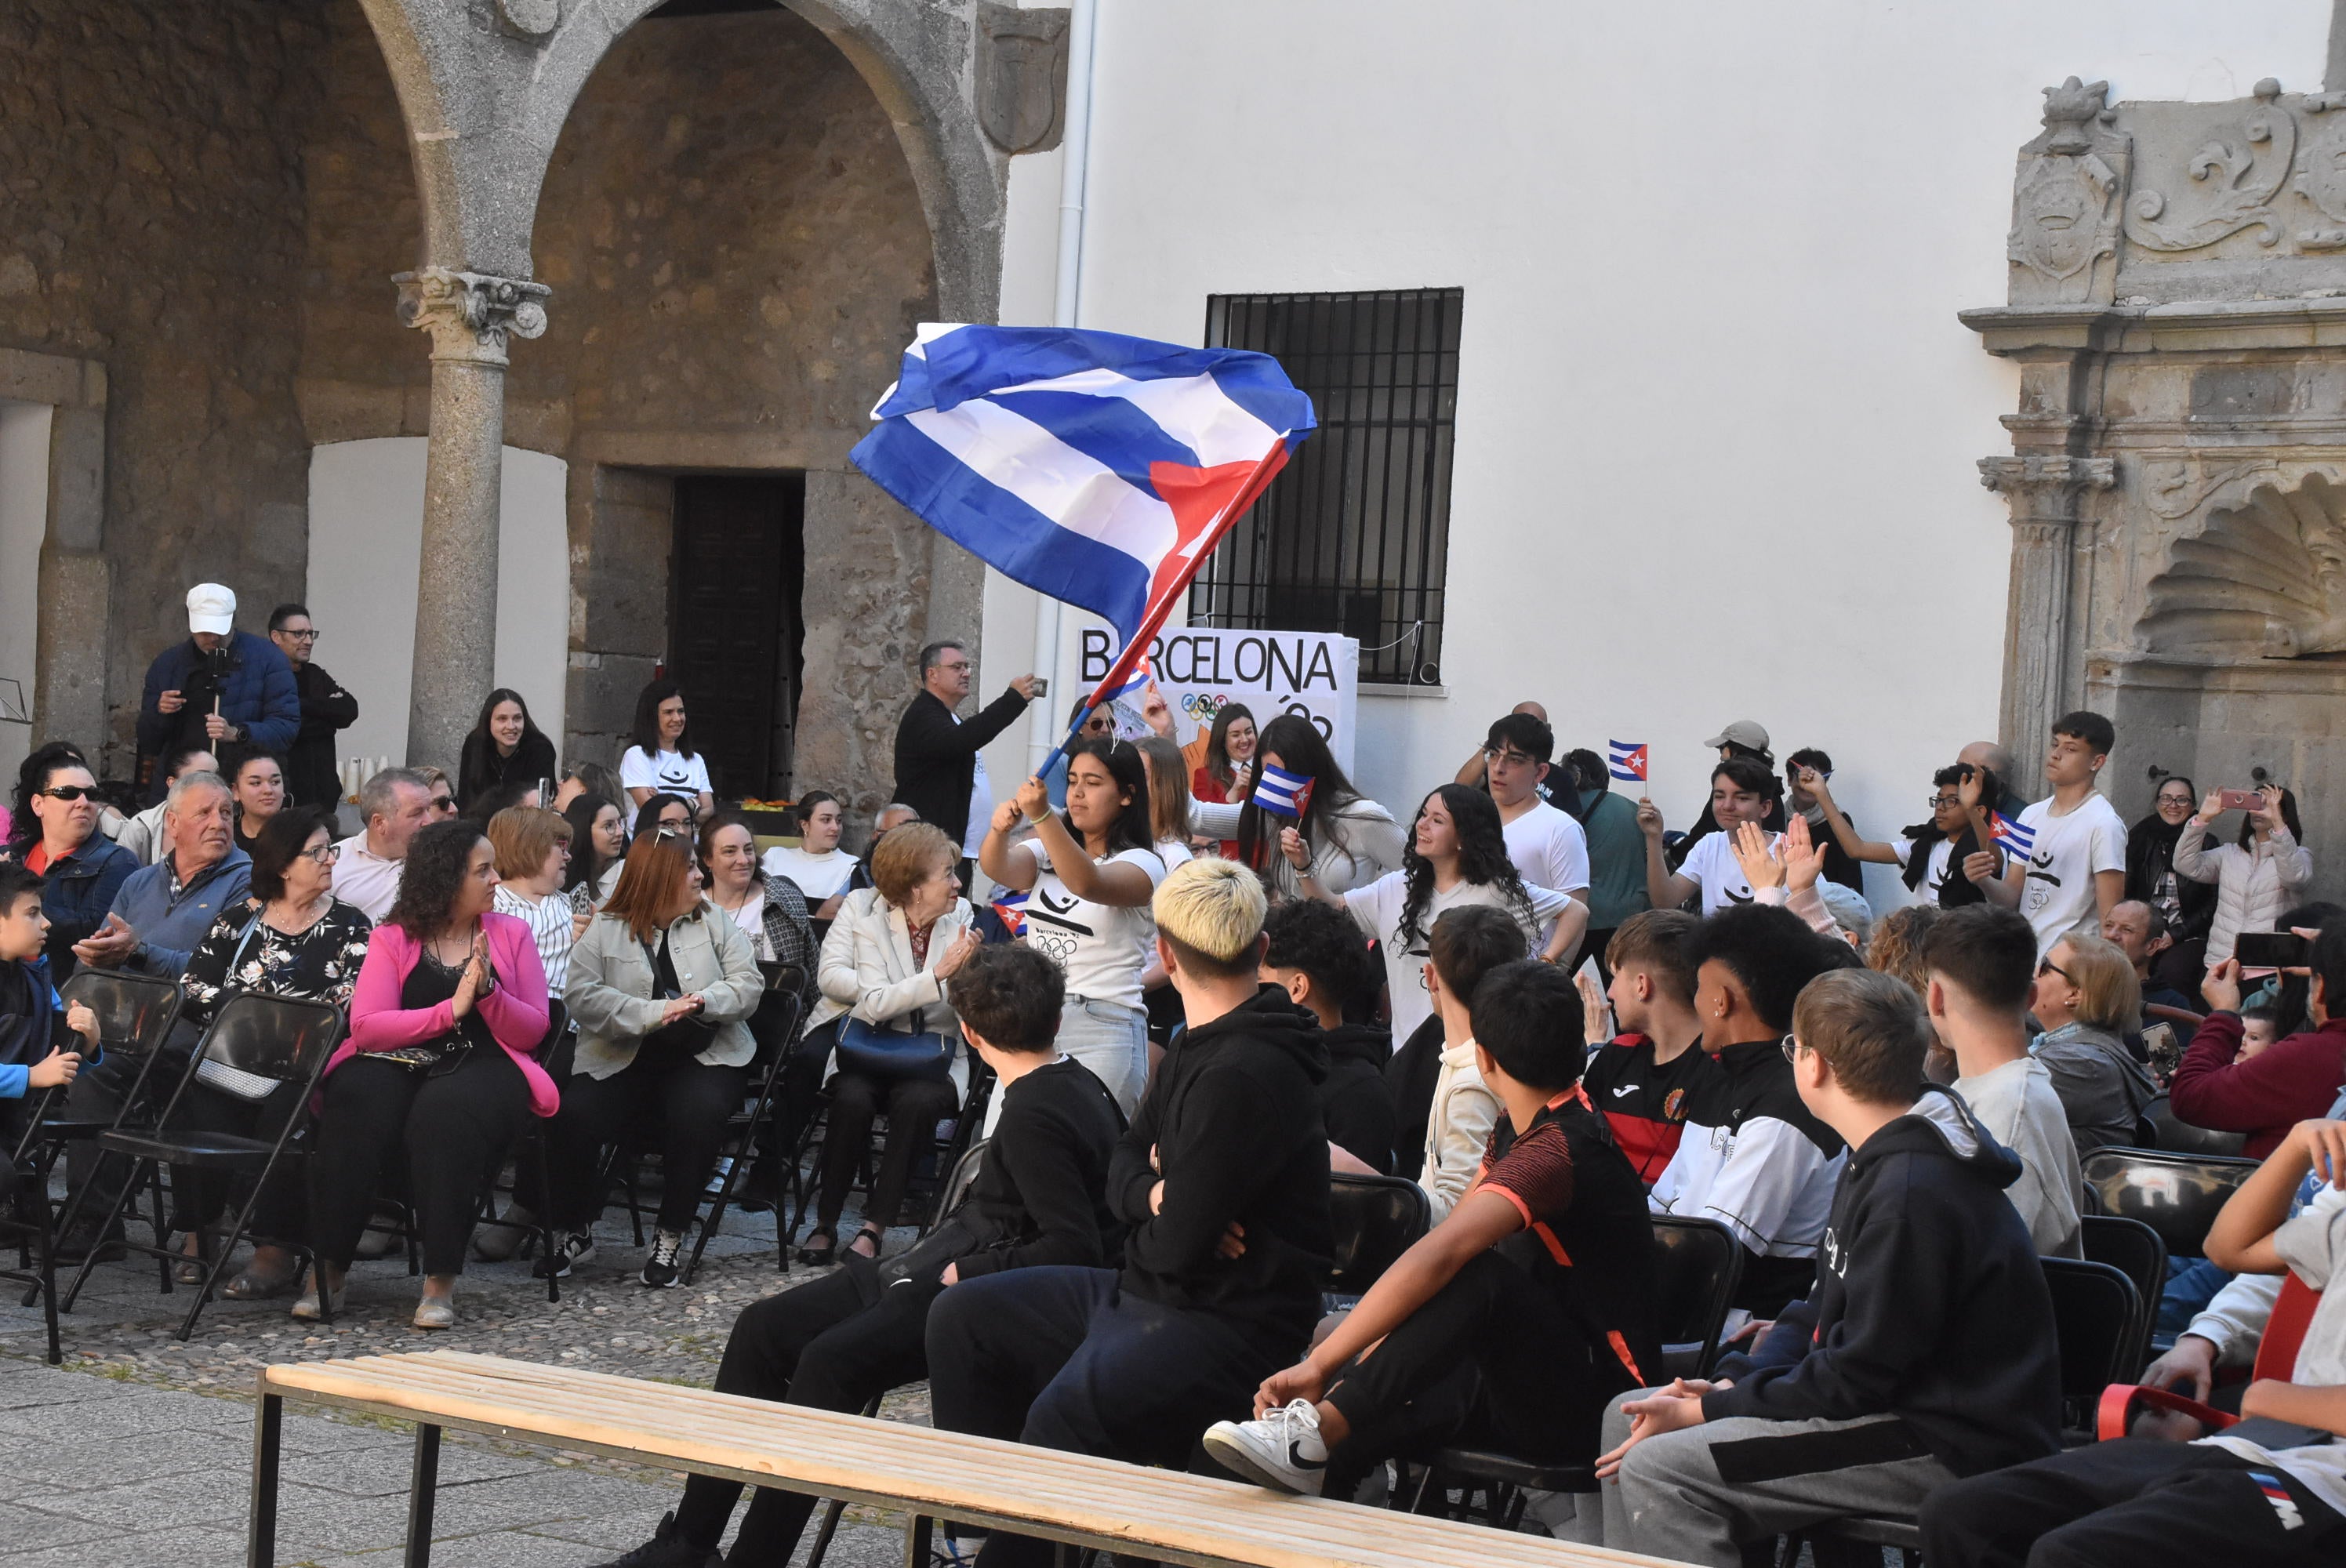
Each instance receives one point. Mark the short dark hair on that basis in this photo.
(284, 613)
(16, 879)
(2267, 1014)
(1770, 951)
(934, 655)
(2328, 961)
(175, 759)
(1808, 756)
(1746, 773)
(282, 838)
(1011, 995)
(1986, 951)
(1870, 1029)
(1655, 940)
(2098, 733)
(1527, 733)
(1471, 942)
(1588, 769)
(1322, 941)
(1527, 1015)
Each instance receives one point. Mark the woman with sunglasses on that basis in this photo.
(2088, 1000)
(53, 832)
(291, 938)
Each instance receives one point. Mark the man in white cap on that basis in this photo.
(222, 688)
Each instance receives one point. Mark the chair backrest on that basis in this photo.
(2183, 1018)
(2135, 1250)
(1698, 1263)
(2176, 1136)
(134, 1012)
(1374, 1219)
(2177, 1195)
(2284, 1334)
(2095, 1309)
(277, 1037)
(963, 1177)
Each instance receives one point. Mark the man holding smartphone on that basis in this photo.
(2289, 1082)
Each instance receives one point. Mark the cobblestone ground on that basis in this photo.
(138, 1450)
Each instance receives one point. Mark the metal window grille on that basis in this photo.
(1355, 536)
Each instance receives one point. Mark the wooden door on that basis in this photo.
(734, 628)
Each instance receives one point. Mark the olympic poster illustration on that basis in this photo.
(1313, 675)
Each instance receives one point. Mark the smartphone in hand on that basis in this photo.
(2239, 799)
(2270, 950)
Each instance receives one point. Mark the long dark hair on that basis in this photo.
(1482, 858)
(1131, 827)
(586, 862)
(647, 707)
(529, 729)
(479, 761)
(431, 875)
(1217, 742)
(1296, 744)
(2288, 818)
(648, 814)
(33, 777)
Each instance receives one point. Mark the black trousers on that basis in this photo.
(831, 1346)
(199, 1193)
(1490, 1359)
(914, 1107)
(1063, 1358)
(103, 1090)
(454, 1128)
(684, 1104)
(2134, 1499)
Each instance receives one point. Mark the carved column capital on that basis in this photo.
(2042, 489)
(470, 315)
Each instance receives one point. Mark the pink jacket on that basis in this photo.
(517, 1010)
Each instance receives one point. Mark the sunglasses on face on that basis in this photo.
(444, 803)
(71, 792)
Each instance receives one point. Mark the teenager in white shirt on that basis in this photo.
(1091, 872)
(1549, 848)
(662, 760)
(1741, 790)
(818, 865)
(1457, 856)
(2075, 870)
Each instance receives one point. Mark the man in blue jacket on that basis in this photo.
(219, 687)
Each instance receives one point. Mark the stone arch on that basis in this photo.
(2263, 578)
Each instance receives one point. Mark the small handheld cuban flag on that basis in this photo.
(1011, 905)
(2021, 841)
(1282, 793)
(1626, 761)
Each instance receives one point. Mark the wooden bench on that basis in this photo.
(932, 1475)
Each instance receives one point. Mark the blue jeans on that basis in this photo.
(1110, 1040)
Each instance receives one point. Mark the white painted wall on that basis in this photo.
(1717, 421)
(24, 522)
(366, 540)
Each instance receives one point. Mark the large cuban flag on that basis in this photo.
(1092, 467)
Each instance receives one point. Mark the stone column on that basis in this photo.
(469, 317)
(2042, 491)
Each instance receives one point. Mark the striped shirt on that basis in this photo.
(548, 919)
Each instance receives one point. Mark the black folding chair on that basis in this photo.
(2177, 1195)
(2176, 1136)
(2135, 1250)
(273, 1037)
(135, 1014)
(1372, 1219)
(945, 1156)
(743, 1130)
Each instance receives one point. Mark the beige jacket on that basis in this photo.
(612, 991)
(867, 970)
(1459, 1130)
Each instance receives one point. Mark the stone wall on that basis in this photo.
(152, 220)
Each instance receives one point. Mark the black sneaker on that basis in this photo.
(661, 1265)
(568, 1253)
(668, 1548)
(77, 1243)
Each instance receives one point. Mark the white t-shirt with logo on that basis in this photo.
(1711, 865)
(1550, 851)
(2057, 893)
(1100, 948)
(1376, 908)
(819, 876)
(1935, 868)
(675, 774)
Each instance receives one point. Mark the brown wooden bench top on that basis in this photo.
(1159, 1514)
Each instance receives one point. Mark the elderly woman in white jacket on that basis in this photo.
(2257, 878)
(661, 986)
(884, 964)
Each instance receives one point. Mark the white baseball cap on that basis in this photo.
(211, 608)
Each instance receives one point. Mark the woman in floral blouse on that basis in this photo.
(291, 939)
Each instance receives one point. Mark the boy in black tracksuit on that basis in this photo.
(1223, 1177)
(1314, 952)
(1515, 1321)
(1926, 1352)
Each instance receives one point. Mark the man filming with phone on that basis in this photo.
(2296, 1078)
(220, 687)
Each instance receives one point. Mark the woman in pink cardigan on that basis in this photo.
(450, 1007)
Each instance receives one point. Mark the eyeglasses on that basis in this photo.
(444, 803)
(1791, 1048)
(324, 854)
(70, 792)
(1938, 801)
(309, 636)
(2045, 966)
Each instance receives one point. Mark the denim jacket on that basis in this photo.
(75, 893)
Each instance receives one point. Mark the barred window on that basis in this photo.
(1355, 536)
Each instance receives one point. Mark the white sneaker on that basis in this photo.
(1281, 1449)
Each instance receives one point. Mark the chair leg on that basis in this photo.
(81, 1276)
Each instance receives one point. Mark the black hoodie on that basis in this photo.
(1233, 1116)
(1930, 1304)
(1355, 1101)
